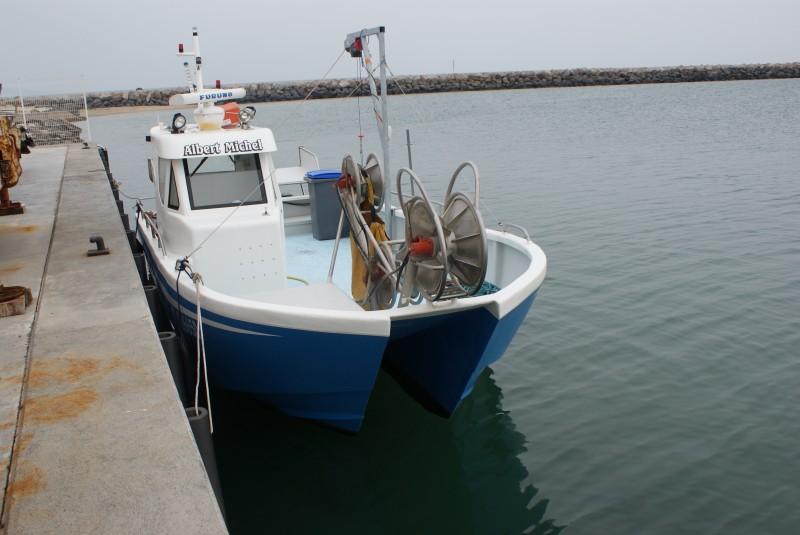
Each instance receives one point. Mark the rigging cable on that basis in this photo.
(269, 176)
(360, 129)
(441, 146)
(324, 76)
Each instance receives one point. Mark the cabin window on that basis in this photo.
(174, 202)
(164, 169)
(219, 181)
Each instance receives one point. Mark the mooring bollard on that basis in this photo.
(100, 244)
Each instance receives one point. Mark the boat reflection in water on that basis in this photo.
(408, 472)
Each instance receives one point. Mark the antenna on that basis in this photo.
(198, 61)
(208, 115)
(192, 87)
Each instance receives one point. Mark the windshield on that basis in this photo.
(219, 181)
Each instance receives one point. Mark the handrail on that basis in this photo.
(151, 224)
(527, 236)
(302, 151)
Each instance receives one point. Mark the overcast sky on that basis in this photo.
(124, 45)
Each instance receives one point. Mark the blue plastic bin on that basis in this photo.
(325, 205)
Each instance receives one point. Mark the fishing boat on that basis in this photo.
(284, 305)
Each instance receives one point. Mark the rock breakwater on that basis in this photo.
(272, 92)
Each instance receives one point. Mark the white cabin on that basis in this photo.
(205, 177)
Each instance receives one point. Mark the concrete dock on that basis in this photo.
(93, 437)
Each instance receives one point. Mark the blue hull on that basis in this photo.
(325, 377)
(318, 376)
(328, 377)
(442, 356)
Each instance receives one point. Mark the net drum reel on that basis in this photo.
(361, 194)
(445, 255)
(466, 232)
(361, 178)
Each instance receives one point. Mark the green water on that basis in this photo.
(654, 386)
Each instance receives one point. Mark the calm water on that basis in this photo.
(655, 385)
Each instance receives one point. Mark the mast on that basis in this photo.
(198, 61)
(207, 115)
(356, 43)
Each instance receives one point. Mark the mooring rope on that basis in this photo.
(200, 346)
(201, 354)
(180, 266)
(115, 184)
(139, 208)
